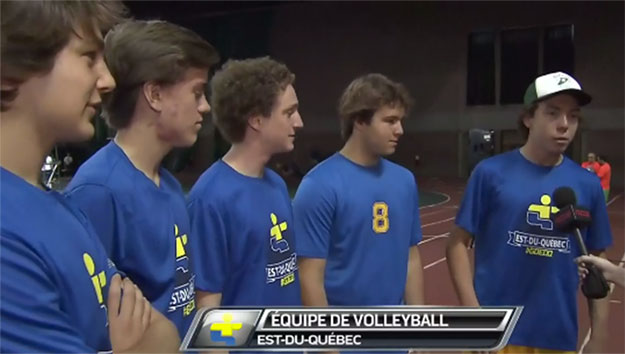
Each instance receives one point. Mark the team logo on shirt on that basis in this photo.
(539, 245)
(539, 215)
(98, 279)
(284, 269)
(184, 291)
(277, 242)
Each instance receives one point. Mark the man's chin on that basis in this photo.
(557, 151)
(561, 149)
(388, 152)
(84, 133)
(287, 148)
(186, 142)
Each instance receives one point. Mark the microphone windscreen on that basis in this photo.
(564, 196)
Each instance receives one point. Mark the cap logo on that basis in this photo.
(562, 80)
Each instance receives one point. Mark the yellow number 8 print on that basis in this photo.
(380, 217)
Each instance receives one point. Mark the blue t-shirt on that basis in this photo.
(55, 274)
(144, 228)
(519, 258)
(363, 221)
(243, 240)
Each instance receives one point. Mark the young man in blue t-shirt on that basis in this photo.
(137, 207)
(520, 257)
(356, 213)
(240, 210)
(59, 292)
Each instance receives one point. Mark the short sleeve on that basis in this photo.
(416, 235)
(599, 234)
(209, 243)
(99, 205)
(313, 213)
(31, 318)
(473, 207)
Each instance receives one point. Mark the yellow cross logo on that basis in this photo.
(226, 327)
(277, 229)
(181, 241)
(99, 280)
(544, 211)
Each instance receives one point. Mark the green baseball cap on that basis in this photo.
(552, 84)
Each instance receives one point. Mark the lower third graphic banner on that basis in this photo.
(374, 328)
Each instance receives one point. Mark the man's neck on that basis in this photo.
(356, 151)
(540, 156)
(247, 158)
(22, 148)
(144, 149)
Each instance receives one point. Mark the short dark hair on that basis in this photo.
(140, 51)
(527, 111)
(244, 88)
(34, 32)
(365, 95)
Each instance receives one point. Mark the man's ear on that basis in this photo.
(9, 91)
(527, 121)
(255, 122)
(360, 124)
(8, 85)
(153, 94)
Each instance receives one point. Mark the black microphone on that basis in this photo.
(571, 218)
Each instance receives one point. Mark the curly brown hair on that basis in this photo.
(140, 51)
(365, 95)
(245, 88)
(34, 32)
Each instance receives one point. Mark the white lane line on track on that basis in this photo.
(447, 199)
(433, 237)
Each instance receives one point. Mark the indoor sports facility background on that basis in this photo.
(466, 65)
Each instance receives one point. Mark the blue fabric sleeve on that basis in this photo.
(474, 206)
(416, 235)
(210, 246)
(31, 318)
(599, 235)
(313, 212)
(99, 205)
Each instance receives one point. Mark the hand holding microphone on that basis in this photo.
(612, 272)
(571, 218)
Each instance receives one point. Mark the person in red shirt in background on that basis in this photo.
(605, 175)
(591, 165)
